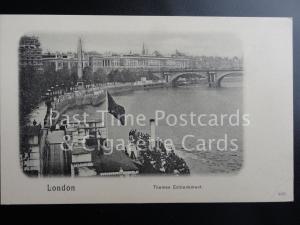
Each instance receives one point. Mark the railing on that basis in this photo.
(203, 69)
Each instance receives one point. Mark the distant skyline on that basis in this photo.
(196, 44)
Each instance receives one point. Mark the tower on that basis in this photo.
(143, 50)
(80, 60)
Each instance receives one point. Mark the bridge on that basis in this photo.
(214, 77)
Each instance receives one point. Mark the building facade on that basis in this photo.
(30, 52)
(137, 61)
(143, 61)
(31, 162)
(63, 60)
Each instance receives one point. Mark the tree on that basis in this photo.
(31, 90)
(151, 76)
(87, 75)
(64, 76)
(112, 76)
(74, 78)
(129, 76)
(99, 76)
(34, 84)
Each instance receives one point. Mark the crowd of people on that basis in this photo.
(157, 160)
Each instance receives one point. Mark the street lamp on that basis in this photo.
(63, 88)
(46, 96)
(57, 90)
(52, 92)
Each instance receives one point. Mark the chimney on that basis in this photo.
(152, 134)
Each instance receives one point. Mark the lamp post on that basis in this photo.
(57, 90)
(48, 94)
(63, 88)
(48, 100)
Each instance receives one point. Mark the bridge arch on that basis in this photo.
(231, 74)
(174, 77)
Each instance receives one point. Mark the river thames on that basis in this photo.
(198, 99)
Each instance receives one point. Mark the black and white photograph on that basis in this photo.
(131, 104)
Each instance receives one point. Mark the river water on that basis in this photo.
(209, 157)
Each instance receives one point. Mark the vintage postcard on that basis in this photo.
(127, 109)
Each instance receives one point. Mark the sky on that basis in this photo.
(196, 44)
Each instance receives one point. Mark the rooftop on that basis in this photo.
(56, 137)
(32, 130)
(113, 162)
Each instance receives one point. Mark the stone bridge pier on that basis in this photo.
(211, 78)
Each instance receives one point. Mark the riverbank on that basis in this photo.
(67, 101)
(70, 100)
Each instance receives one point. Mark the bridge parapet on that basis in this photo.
(214, 76)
